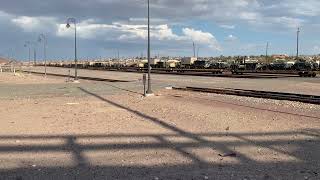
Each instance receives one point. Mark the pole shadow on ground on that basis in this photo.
(304, 151)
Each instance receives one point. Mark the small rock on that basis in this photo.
(266, 176)
(19, 178)
(232, 154)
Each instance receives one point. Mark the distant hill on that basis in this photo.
(4, 60)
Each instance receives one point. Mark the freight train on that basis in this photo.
(302, 68)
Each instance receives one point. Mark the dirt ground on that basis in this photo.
(280, 84)
(26, 78)
(97, 131)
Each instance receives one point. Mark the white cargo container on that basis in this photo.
(188, 60)
(141, 63)
(172, 63)
(154, 61)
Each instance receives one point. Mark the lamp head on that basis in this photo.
(68, 25)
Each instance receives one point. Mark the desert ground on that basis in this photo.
(279, 84)
(53, 129)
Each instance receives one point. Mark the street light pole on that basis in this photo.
(298, 33)
(149, 91)
(267, 49)
(43, 38)
(27, 44)
(74, 21)
(29, 54)
(34, 56)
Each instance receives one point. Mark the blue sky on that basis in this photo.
(218, 27)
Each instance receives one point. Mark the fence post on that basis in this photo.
(144, 84)
(69, 74)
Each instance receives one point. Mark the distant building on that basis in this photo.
(280, 56)
(3, 61)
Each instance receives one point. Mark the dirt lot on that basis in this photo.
(109, 131)
(281, 84)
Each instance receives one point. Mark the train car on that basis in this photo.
(200, 64)
(277, 66)
(142, 64)
(219, 65)
(172, 64)
(187, 62)
(305, 69)
(237, 68)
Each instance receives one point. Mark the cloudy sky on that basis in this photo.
(218, 27)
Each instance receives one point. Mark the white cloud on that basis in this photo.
(316, 49)
(118, 31)
(228, 26)
(249, 16)
(296, 7)
(124, 21)
(91, 30)
(30, 24)
(231, 38)
(280, 23)
(4, 15)
(202, 38)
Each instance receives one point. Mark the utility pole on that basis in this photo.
(35, 56)
(118, 58)
(29, 56)
(298, 33)
(27, 44)
(149, 91)
(267, 49)
(198, 52)
(74, 21)
(194, 50)
(43, 38)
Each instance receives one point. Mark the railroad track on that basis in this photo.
(79, 77)
(202, 73)
(310, 99)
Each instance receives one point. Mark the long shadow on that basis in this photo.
(306, 153)
(186, 134)
(244, 166)
(79, 77)
(158, 122)
(126, 90)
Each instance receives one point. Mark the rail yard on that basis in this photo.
(195, 66)
(104, 127)
(159, 90)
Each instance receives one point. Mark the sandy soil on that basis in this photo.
(26, 78)
(174, 135)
